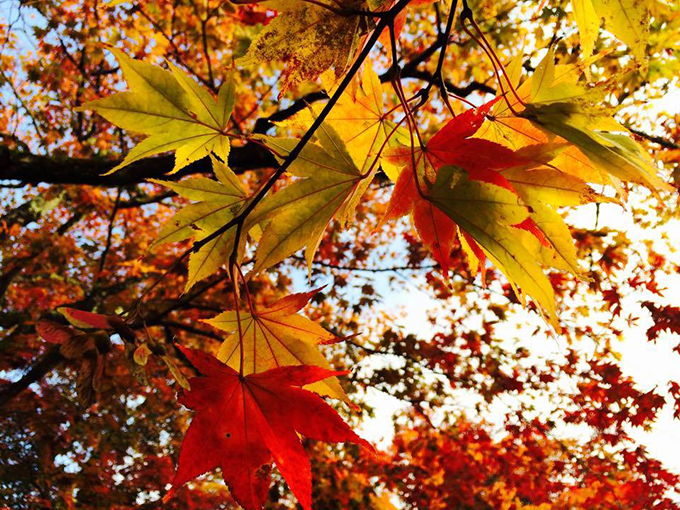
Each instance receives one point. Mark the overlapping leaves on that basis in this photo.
(276, 336)
(242, 424)
(628, 20)
(557, 107)
(331, 186)
(359, 119)
(458, 195)
(495, 202)
(562, 106)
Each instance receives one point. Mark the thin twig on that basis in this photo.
(109, 235)
(368, 269)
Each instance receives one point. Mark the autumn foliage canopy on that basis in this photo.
(240, 238)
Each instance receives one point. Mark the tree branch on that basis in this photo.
(666, 144)
(464, 91)
(35, 169)
(16, 165)
(37, 371)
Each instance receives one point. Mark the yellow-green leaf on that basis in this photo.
(218, 202)
(616, 154)
(588, 23)
(301, 211)
(552, 187)
(487, 212)
(562, 106)
(358, 118)
(176, 112)
(141, 354)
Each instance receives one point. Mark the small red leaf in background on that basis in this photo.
(85, 320)
(53, 332)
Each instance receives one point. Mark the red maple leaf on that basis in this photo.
(242, 424)
(481, 159)
(451, 145)
(89, 320)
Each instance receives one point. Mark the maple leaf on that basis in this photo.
(488, 217)
(82, 319)
(561, 106)
(628, 20)
(549, 84)
(178, 114)
(276, 336)
(488, 214)
(539, 189)
(218, 202)
(301, 211)
(243, 423)
(309, 38)
(453, 145)
(359, 119)
(471, 202)
(518, 133)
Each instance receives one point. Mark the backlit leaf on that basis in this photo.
(301, 211)
(309, 38)
(276, 336)
(218, 202)
(242, 424)
(176, 112)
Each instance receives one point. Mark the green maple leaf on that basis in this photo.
(572, 111)
(217, 203)
(488, 213)
(299, 214)
(178, 114)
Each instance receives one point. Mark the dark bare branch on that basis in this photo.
(35, 169)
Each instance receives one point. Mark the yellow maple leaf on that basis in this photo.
(309, 38)
(628, 20)
(276, 336)
(178, 114)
